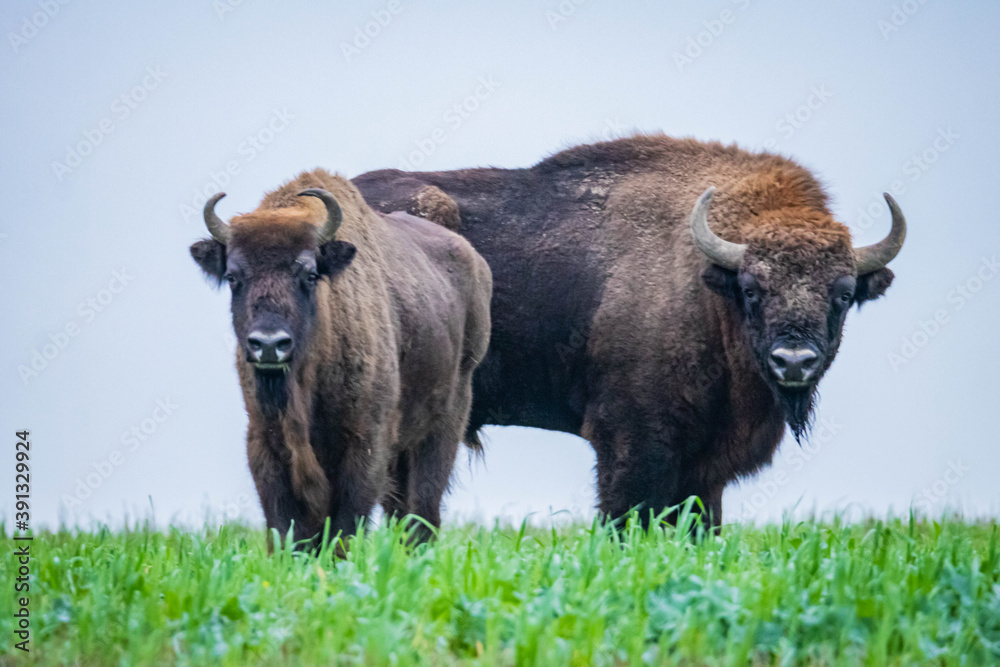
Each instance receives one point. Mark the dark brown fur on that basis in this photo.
(377, 396)
(610, 324)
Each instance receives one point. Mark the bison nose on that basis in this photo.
(270, 348)
(793, 365)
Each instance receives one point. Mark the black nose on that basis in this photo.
(270, 348)
(793, 365)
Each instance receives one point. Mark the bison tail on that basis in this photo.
(474, 443)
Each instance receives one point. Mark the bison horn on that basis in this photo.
(333, 213)
(219, 230)
(726, 254)
(873, 257)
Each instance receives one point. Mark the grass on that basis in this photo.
(892, 592)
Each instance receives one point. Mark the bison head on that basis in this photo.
(792, 283)
(273, 260)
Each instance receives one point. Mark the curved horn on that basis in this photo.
(873, 257)
(726, 254)
(333, 213)
(219, 230)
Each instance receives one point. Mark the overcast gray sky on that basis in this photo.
(117, 117)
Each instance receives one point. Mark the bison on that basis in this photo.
(674, 302)
(358, 334)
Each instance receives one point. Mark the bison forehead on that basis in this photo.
(804, 275)
(258, 234)
(801, 303)
(798, 246)
(796, 293)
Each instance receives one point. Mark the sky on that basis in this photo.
(118, 118)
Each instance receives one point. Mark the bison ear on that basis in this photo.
(333, 257)
(211, 257)
(872, 285)
(719, 280)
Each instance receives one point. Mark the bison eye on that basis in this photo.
(846, 297)
(749, 293)
(231, 279)
(312, 277)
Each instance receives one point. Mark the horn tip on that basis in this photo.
(705, 197)
(897, 213)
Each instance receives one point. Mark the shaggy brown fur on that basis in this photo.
(377, 394)
(610, 324)
(430, 203)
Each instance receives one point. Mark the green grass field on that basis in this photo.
(879, 593)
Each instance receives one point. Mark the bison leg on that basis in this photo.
(273, 479)
(356, 491)
(624, 484)
(431, 464)
(650, 485)
(638, 472)
(710, 510)
(394, 503)
(713, 507)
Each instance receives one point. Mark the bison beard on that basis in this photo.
(797, 406)
(272, 391)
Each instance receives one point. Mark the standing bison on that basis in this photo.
(672, 301)
(358, 334)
